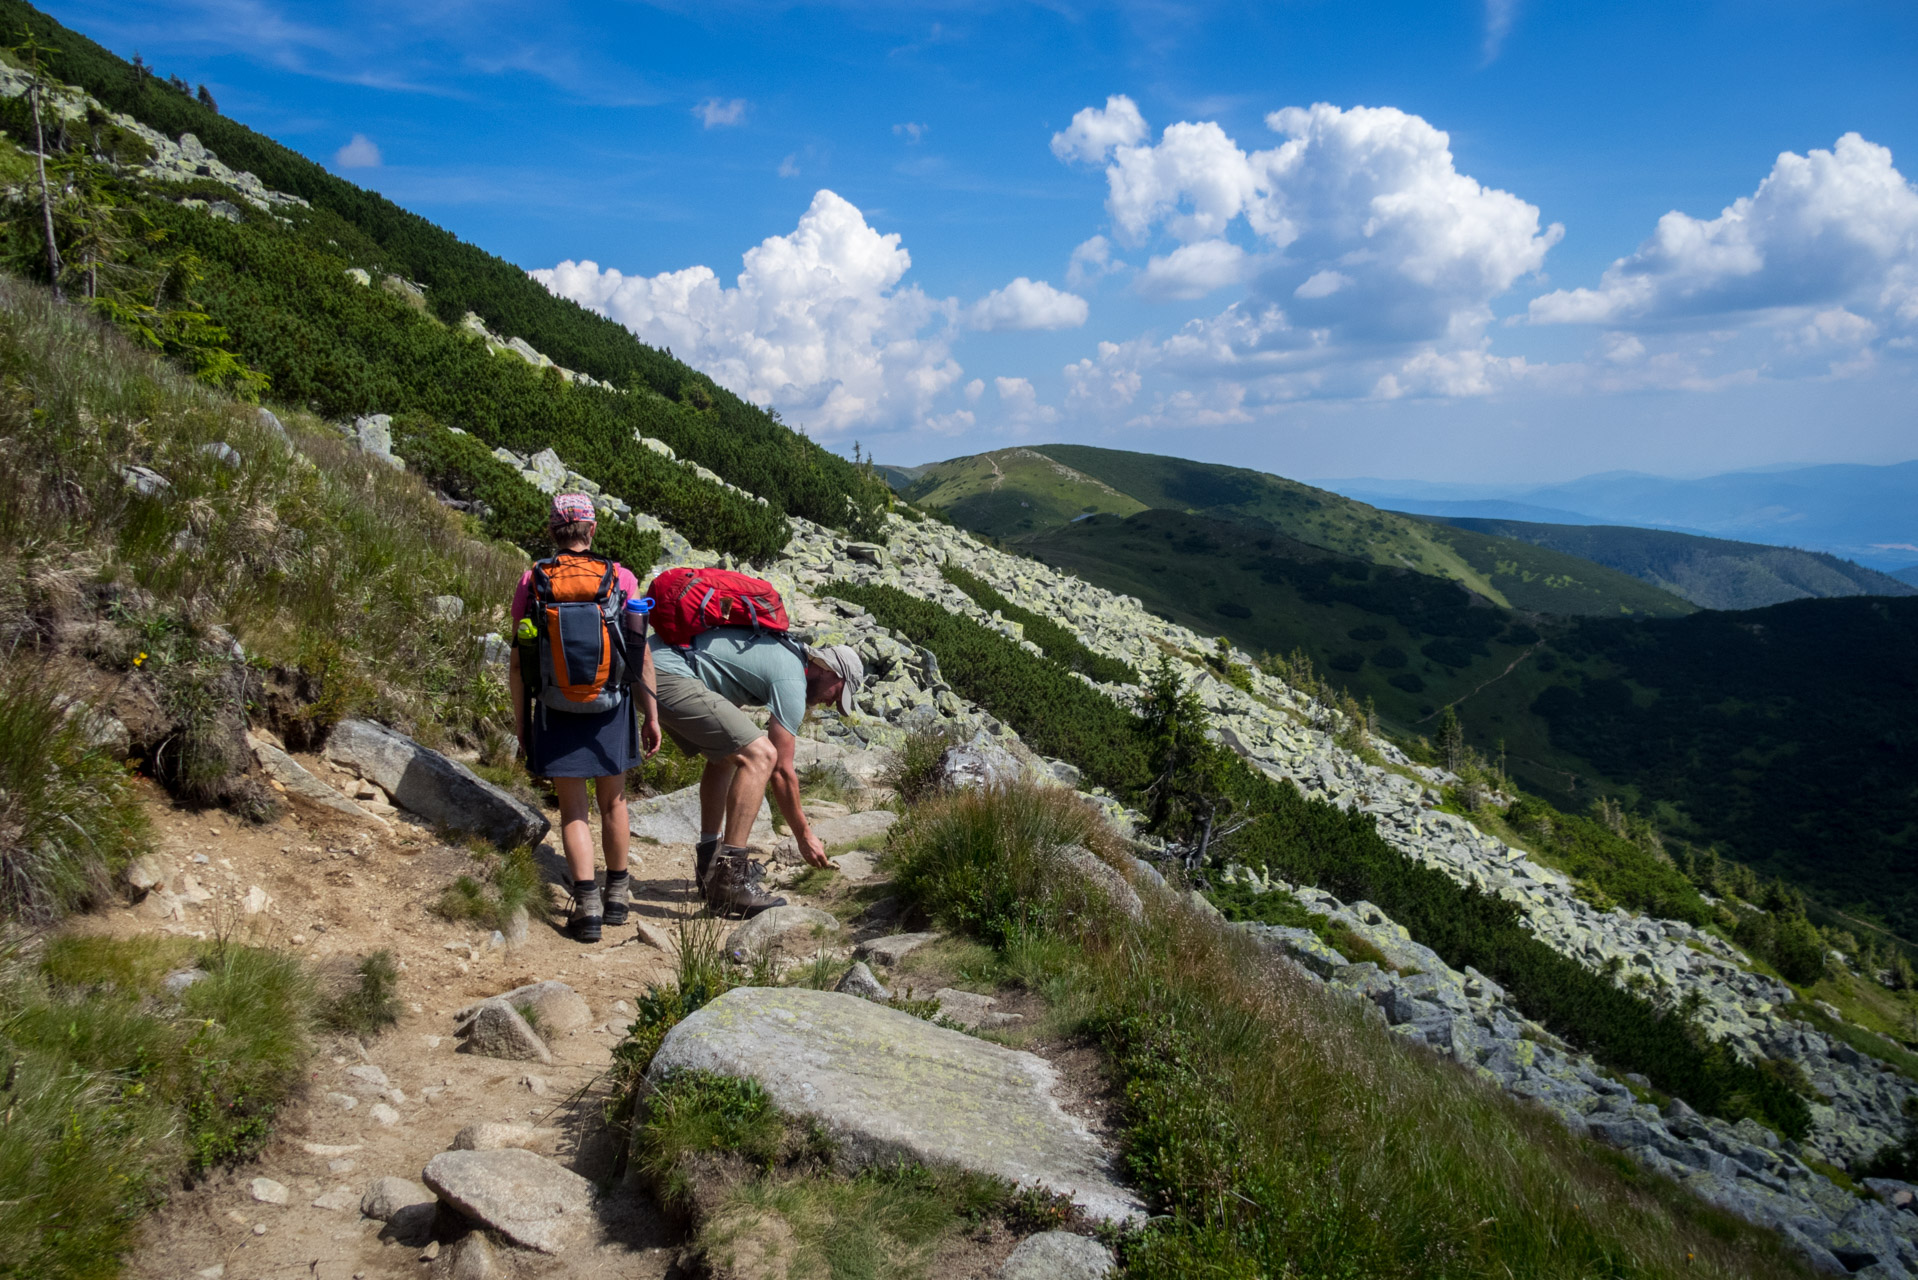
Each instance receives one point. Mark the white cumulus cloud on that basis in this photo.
(1019, 400)
(717, 113)
(1091, 262)
(360, 153)
(1832, 227)
(1027, 304)
(1192, 270)
(1095, 131)
(1370, 229)
(817, 323)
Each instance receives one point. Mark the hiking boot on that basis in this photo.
(703, 854)
(588, 914)
(617, 897)
(734, 888)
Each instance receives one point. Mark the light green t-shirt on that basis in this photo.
(744, 668)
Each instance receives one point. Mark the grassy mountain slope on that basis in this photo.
(1013, 492)
(1713, 573)
(1021, 493)
(743, 443)
(1410, 642)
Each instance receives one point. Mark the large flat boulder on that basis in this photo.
(422, 781)
(888, 1085)
(527, 1198)
(674, 818)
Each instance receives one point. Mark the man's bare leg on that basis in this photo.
(752, 770)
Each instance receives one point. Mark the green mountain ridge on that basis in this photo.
(743, 443)
(1015, 494)
(1713, 573)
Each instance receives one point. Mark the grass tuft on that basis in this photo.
(69, 818)
(512, 883)
(371, 1004)
(912, 768)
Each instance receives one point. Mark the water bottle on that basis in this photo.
(636, 611)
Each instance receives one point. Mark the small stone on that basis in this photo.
(259, 1228)
(267, 1191)
(344, 1101)
(341, 1167)
(385, 1114)
(860, 982)
(770, 929)
(889, 951)
(472, 1258)
(497, 1030)
(180, 979)
(1057, 1255)
(368, 1076)
(255, 901)
(430, 1252)
(651, 936)
(338, 1200)
(536, 1085)
(387, 1198)
(325, 1150)
(214, 1272)
(970, 1009)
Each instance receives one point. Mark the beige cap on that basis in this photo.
(843, 661)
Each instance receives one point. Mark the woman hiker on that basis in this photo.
(569, 746)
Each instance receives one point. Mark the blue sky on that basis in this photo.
(1325, 239)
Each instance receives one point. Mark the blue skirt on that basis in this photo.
(572, 744)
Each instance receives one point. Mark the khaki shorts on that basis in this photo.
(702, 723)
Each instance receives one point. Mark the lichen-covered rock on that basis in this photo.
(424, 782)
(888, 1085)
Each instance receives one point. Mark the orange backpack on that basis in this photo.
(575, 607)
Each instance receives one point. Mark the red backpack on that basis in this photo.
(687, 602)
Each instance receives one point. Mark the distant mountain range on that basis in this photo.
(1863, 513)
(1713, 573)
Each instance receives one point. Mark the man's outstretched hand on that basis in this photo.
(813, 849)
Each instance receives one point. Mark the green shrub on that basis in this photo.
(1059, 643)
(1627, 872)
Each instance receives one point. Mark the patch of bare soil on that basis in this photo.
(335, 889)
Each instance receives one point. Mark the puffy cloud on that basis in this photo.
(1020, 401)
(816, 323)
(1193, 270)
(789, 167)
(1091, 262)
(910, 131)
(1027, 304)
(718, 113)
(1370, 230)
(360, 153)
(1095, 131)
(1829, 229)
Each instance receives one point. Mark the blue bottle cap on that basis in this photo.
(643, 605)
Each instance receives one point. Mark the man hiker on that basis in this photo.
(581, 702)
(702, 685)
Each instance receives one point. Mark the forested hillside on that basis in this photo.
(1713, 573)
(707, 424)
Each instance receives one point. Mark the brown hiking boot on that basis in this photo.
(733, 886)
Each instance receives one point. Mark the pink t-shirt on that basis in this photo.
(622, 578)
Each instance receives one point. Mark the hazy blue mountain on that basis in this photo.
(1907, 574)
(1864, 513)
